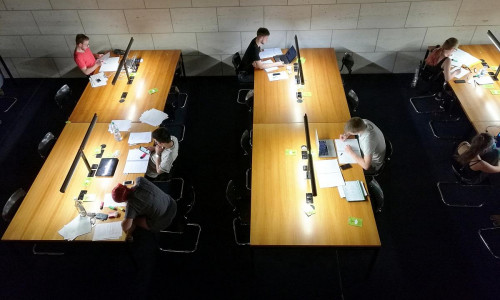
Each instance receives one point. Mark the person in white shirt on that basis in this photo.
(163, 154)
(371, 143)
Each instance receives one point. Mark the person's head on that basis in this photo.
(120, 193)
(82, 41)
(162, 136)
(479, 145)
(354, 126)
(262, 35)
(449, 46)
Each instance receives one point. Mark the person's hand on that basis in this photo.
(98, 62)
(254, 64)
(456, 72)
(280, 63)
(158, 149)
(99, 55)
(343, 137)
(151, 149)
(348, 149)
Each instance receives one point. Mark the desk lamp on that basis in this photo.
(495, 42)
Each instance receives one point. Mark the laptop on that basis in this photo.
(107, 167)
(326, 148)
(288, 57)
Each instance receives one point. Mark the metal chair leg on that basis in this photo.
(483, 230)
(477, 187)
(198, 229)
(35, 252)
(413, 99)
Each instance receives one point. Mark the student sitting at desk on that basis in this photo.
(147, 206)
(84, 58)
(480, 160)
(163, 154)
(439, 63)
(371, 143)
(251, 58)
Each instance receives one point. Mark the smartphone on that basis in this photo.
(346, 166)
(128, 182)
(144, 149)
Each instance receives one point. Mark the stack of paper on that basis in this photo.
(353, 191)
(460, 57)
(329, 174)
(139, 138)
(98, 80)
(277, 76)
(78, 226)
(270, 53)
(343, 156)
(109, 64)
(153, 117)
(107, 231)
(134, 163)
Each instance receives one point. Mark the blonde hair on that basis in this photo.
(355, 125)
(450, 44)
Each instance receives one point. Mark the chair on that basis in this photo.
(177, 130)
(63, 97)
(387, 159)
(12, 205)
(491, 239)
(352, 101)
(348, 62)
(239, 199)
(6, 102)
(46, 144)
(174, 237)
(446, 117)
(246, 142)
(463, 188)
(244, 86)
(174, 187)
(248, 181)
(176, 95)
(376, 194)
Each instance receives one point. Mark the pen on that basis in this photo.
(102, 205)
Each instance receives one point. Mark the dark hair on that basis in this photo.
(80, 38)
(479, 144)
(162, 135)
(263, 32)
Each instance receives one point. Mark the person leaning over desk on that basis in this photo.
(480, 160)
(163, 154)
(84, 58)
(439, 60)
(371, 143)
(147, 206)
(251, 58)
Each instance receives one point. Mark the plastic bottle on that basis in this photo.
(415, 79)
(116, 132)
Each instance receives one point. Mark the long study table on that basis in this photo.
(155, 71)
(45, 210)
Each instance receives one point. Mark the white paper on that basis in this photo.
(271, 69)
(153, 117)
(483, 80)
(123, 125)
(270, 53)
(108, 201)
(134, 163)
(98, 80)
(78, 226)
(462, 72)
(353, 191)
(329, 174)
(110, 64)
(460, 57)
(343, 156)
(107, 231)
(278, 76)
(139, 138)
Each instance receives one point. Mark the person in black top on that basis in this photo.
(480, 161)
(251, 58)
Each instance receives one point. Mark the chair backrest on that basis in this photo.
(11, 206)
(348, 62)
(245, 142)
(388, 149)
(1, 80)
(236, 59)
(63, 96)
(376, 194)
(457, 167)
(46, 144)
(352, 101)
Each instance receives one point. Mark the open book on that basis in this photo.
(343, 156)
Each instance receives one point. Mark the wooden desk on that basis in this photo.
(279, 188)
(45, 210)
(477, 102)
(276, 101)
(156, 71)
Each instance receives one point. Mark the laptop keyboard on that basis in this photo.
(323, 148)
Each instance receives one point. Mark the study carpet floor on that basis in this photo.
(429, 250)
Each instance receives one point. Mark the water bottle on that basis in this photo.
(116, 132)
(415, 79)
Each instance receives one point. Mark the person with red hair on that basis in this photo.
(147, 206)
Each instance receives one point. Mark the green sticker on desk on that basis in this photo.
(303, 60)
(306, 94)
(495, 92)
(494, 68)
(355, 221)
(97, 150)
(488, 86)
(87, 181)
(152, 91)
(290, 152)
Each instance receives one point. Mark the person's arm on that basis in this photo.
(344, 136)
(448, 75)
(88, 71)
(260, 65)
(365, 162)
(127, 224)
(158, 151)
(485, 167)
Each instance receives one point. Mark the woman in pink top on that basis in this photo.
(440, 58)
(84, 58)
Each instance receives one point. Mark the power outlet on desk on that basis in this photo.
(299, 97)
(295, 67)
(131, 78)
(309, 198)
(124, 95)
(82, 194)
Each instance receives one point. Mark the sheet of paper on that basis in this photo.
(483, 80)
(270, 53)
(153, 117)
(107, 231)
(108, 201)
(78, 226)
(98, 80)
(343, 156)
(277, 76)
(123, 125)
(329, 174)
(353, 191)
(462, 73)
(139, 138)
(460, 57)
(110, 64)
(271, 69)
(135, 166)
